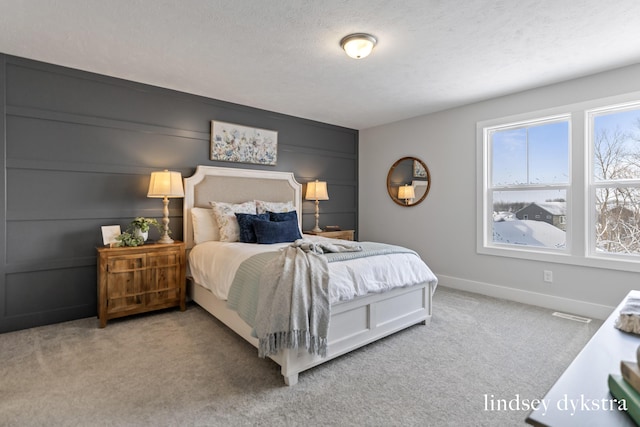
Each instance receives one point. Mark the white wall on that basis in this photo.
(443, 228)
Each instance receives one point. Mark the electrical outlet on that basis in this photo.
(548, 276)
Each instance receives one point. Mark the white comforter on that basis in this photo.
(214, 264)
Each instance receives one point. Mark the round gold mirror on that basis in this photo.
(408, 181)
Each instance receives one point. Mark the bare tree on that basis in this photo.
(617, 157)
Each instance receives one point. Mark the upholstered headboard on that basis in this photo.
(211, 183)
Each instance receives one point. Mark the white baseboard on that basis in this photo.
(571, 306)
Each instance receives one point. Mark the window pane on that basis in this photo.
(549, 153)
(530, 218)
(531, 155)
(616, 145)
(618, 220)
(509, 157)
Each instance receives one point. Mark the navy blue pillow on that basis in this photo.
(268, 232)
(283, 216)
(245, 221)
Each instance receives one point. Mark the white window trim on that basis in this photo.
(579, 198)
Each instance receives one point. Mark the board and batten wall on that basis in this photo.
(78, 150)
(443, 227)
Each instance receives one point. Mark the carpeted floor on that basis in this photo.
(178, 369)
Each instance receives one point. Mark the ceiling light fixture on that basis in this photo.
(358, 45)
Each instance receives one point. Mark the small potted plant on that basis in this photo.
(140, 227)
(138, 231)
(129, 239)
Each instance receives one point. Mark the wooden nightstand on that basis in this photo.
(340, 234)
(134, 280)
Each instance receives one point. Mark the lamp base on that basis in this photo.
(165, 239)
(317, 228)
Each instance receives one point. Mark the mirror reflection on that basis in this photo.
(408, 181)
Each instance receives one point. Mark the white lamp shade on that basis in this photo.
(406, 192)
(165, 183)
(358, 45)
(317, 190)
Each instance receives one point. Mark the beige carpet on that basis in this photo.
(178, 369)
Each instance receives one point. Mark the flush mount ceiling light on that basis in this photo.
(358, 45)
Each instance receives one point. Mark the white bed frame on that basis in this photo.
(353, 324)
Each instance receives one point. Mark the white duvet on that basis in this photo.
(213, 265)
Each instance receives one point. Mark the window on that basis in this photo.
(526, 166)
(614, 190)
(563, 185)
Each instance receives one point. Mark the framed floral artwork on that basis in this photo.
(236, 143)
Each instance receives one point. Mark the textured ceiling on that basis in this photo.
(285, 56)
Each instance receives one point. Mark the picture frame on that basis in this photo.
(109, 234)
(418, 170)
(242, 144)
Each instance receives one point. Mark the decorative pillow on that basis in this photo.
(268, 232)
(226, 218)
(263, 207)
(205, 227)
(283, 216)
(245, 222)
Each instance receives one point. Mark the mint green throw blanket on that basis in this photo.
(284, 295)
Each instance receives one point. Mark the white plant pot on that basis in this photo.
(143, 234)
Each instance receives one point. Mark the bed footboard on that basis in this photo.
(353, 323)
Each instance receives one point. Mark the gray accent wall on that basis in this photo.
(78, 150)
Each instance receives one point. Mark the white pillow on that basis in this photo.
(225, 214)
(205, 227)
(279, 207)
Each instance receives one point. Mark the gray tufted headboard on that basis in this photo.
(211, 183)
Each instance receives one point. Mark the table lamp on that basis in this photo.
(406, 192)
(166, 184)
(317, 190)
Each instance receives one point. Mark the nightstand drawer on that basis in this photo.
(339, 234)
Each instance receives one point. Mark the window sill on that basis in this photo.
(591, 261)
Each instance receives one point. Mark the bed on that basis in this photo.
(353, 323)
